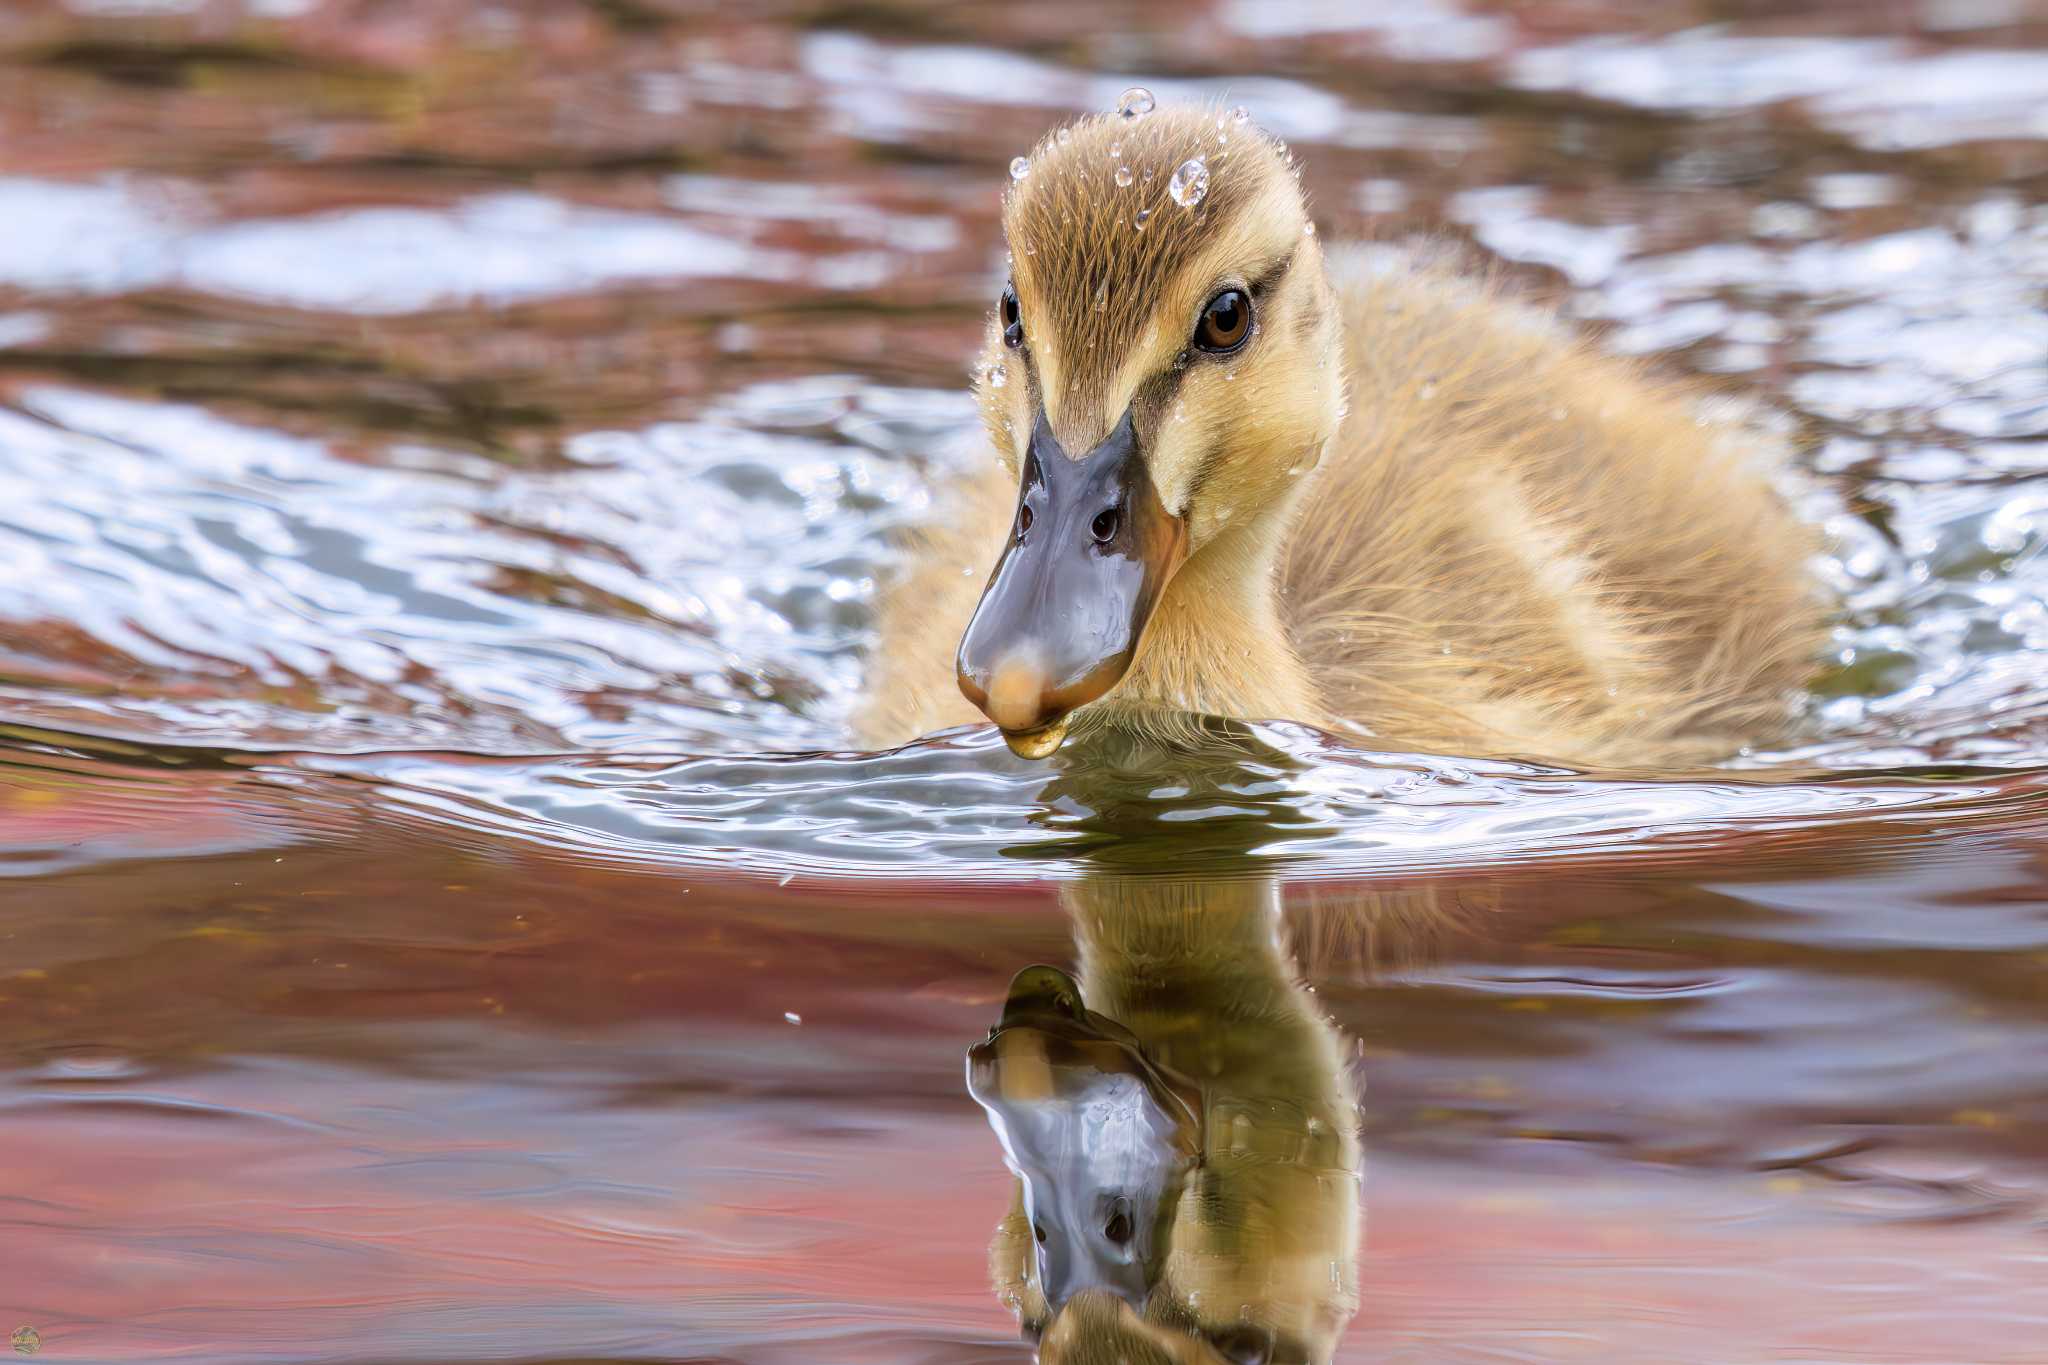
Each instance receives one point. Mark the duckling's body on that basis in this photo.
(1497, 541)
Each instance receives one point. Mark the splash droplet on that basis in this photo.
(1123, 177)
(1139, 219)
(1019, 167)
(1135, 102)
(1190, 183)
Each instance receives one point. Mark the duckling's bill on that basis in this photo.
(1090, 552)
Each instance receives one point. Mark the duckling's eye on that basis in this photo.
(1013, 318)
(1225, 323)
(1104, 529)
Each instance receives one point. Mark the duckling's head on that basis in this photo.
(1160, 370)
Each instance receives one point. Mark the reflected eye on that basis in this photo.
(1013, 318)
(1244, 1345)
(1226, 322)
(1118, 1229)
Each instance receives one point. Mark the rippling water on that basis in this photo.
(447, 456)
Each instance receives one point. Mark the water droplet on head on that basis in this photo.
(998, 375)
(1116, 149)
(1123, 176)
(1101, 296)
(1019, 167)
(1308, 229)
(1429, 388)
(1138, 219)
(1064, 136)
(1135, 102)
(1239, 117)
(1229, 375)
(1190, 183)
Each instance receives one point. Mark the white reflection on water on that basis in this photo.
(965, 802)
(692, 580)
(114, 237)
(1876, 91)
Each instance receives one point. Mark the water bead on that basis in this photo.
(1019, 167)
(1123, 176)
(1116, 149)
(1101, 296)
(1064, 136)
(998, 375)
(1308, 229)
(1135, 102)
(1240, 116)
(1190, 183)
(1138, 219)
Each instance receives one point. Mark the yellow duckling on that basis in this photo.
(1238, 474)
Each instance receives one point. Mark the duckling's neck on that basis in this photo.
(1216, 642)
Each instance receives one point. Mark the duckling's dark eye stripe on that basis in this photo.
(1264, 282)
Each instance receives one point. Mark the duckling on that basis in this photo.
(1184, 1130)
(1238, 474)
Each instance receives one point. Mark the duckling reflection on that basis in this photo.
(1184, 1133)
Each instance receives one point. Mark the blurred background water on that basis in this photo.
(447, 455)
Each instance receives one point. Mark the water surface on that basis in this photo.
(447, 456)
